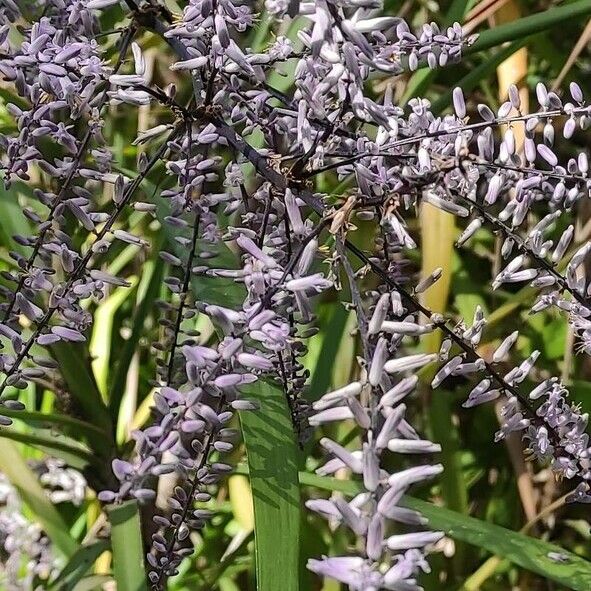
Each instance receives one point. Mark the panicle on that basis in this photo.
(246, 216)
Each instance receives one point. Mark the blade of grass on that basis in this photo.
(40, 419)
(126, 542)
(488, 568)
(529, 25)
(271, 451)
(573, 572)
(78, 565)
(20, 475)
(145, 306)
(76, 456)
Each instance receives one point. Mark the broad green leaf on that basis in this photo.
(271, 451)
(126, 543)
(529, 25)
(78, 566)
(22, 478)
(573, 571)
(327, 352)
(12, 220)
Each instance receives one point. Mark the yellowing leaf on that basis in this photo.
(514, 69)
(437, 237)
(241, 501)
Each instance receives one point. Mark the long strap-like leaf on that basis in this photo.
(538, 556)
(126, 543)
(529, 25)
(13, 465)
(271, 450)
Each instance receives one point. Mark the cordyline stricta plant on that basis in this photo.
(238, 164)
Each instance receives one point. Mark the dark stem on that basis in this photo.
(522, 247)
(130, 31)
(82, 265)
(183, 299)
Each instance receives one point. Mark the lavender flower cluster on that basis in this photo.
(27, 555)
(376, 404)
(280, 228)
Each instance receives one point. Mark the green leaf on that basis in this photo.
(74, 363)
(476, 75)
(271, 451)
(529, 553)
(74, 454)
(323, 366)
(117, 387)
(126, 543)
(573, 572)
(40, 419)
(32, 493)
(78, 566)
(12, 220)
(529, 25)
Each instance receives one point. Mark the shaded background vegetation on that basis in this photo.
(104, 389)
